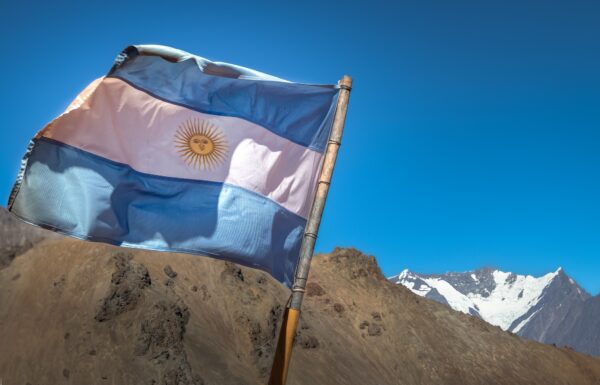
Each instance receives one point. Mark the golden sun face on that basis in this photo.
(201, 144)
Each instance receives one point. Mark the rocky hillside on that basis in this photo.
(16, 237)
(73, 312)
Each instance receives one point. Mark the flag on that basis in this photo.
(170, 151)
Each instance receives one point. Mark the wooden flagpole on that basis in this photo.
(291, 316)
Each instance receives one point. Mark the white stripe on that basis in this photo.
(126, 125)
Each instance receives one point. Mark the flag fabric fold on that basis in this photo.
(173, 152)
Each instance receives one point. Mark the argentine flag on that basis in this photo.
(173, 152)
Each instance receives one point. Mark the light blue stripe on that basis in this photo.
(92, 198)
(300, 113)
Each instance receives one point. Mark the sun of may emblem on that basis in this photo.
(201, 144)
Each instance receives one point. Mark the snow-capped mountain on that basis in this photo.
(546, 308)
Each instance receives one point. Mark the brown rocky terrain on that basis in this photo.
(73, 312)
(16, 237)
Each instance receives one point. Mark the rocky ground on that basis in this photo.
(73, 312)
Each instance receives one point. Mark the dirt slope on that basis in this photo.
(81, 313)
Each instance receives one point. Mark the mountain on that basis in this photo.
(581, 329)
(74, 312)
(552, 308)
(17, 236)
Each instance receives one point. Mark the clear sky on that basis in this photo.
(473, 137)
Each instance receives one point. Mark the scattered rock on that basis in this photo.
(338, 307)
(363, 325)
(169, 271)
(232, 272)
(360, 273)
(194, 288)
(374, 330)
(169, 282)
(16, 276)
(205, 293)
(376, 316)
(126, 287)
(59, 284)
(161, 340)
(162, 331)
(260, 340)
(92, 352)
(313, 289)
(303, 325)
(357, 264)
(263, 338)
(307, 342)
(66, 373)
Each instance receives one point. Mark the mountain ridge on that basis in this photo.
(89, 313)
(17, 236)
(545, 308)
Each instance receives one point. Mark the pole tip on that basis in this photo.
(345, 82)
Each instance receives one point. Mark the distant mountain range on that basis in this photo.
(552, 308)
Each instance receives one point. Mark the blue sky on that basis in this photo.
(473, 132)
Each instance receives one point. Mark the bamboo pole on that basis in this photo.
(291, 316)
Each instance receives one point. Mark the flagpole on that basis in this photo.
(291, 316)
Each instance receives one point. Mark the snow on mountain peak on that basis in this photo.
(512, 298)
(551, 308)
(403, 274)
(498, 297)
